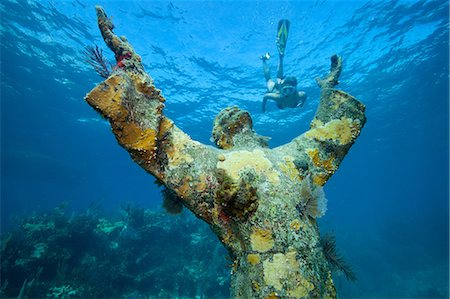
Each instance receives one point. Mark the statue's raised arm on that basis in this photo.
(129, 100)
(262, 203)
(336, 125)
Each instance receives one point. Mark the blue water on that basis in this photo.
(388, 202)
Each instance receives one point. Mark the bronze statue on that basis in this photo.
(262, 203)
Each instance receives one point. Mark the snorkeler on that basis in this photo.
(284, 90)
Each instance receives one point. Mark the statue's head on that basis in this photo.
(233, 127)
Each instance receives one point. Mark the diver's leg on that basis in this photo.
(280, 67)
(266, 70)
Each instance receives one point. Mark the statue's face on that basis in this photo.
(229, 122)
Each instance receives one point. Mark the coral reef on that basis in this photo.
(133, 254)
(262, 203)
(64, 291)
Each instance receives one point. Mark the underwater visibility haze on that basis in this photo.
(80, 219)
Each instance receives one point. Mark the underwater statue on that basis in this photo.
(262, 203)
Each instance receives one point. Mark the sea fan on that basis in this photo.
(336, 261)
(95, 58)
(313, 202)
(320, 201)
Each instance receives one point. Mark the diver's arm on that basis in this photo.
(269, 96)
(280, 67)
(335, 127)
(301, 98)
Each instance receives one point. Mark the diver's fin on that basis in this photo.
(282, 35)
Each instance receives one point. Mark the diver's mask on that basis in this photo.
(287, 90)
(288, 86)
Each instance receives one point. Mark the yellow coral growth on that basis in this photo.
(289, 169)
(107, 98)
(147, 88)
(316, 123)
(302, 288)
(296, 224)
(338, 98)
(317, 161)
(272, 295)
(132, 136)
(201, 186)
(255, 286)
(261, 240)
(237, 161)
(342, 130)
(164, 126)
(177, 154)
(227, 237)
(320, 179)
(284, 268)
(253, 258)
(185, 189)
(277, 271)
(224, 141)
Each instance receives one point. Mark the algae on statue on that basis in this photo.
(262, 203)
